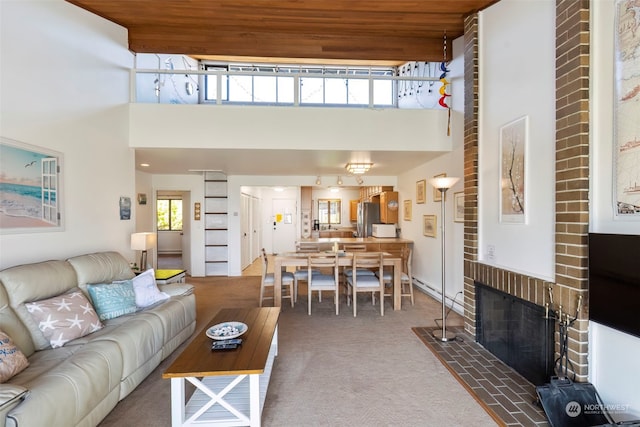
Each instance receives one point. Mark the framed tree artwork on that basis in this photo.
(513, 147)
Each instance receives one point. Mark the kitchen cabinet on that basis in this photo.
(353, 210)
(389, 207)
(372, 193)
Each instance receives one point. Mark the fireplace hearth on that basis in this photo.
(516, 332)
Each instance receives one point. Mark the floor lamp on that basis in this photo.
(442, 184)
(143, 242)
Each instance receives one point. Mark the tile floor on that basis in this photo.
(506, 395)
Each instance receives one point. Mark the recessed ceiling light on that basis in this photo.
(144, 165)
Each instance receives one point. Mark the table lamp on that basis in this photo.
(143, 242)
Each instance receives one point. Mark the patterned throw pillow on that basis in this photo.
(12, 361)
(146, 290)
(65, 317)
(113, 300)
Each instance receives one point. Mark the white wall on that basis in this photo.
(613, 361)
(64, 81)
(517, 78)
(427, 255)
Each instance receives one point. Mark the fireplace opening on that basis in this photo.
(516, 332)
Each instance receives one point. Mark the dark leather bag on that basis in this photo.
(569, 404)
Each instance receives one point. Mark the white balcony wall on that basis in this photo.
(303, 128)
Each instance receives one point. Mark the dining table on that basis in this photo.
(345, 259)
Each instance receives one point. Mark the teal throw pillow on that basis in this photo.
(112, 300)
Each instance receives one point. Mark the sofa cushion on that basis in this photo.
(67, 384)
(10, 396)
(146, 290)
(113, 300)
(65, 317)
(12, 360)
(34, 282)
(101, 267)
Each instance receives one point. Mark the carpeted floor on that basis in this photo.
(331, 370)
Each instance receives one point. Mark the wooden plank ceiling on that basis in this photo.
(369, 31)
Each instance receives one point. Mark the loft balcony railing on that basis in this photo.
(370, 88)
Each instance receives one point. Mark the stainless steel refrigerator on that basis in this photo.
(368, 214)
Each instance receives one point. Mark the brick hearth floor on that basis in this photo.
(506, 395)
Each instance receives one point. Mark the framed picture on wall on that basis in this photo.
(31, 188)
(421, 191)
(429, 225)
(626, 146)
(407, 210)
(513, 148)
(437, 195)
(458, 206)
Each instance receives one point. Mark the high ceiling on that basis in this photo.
(348, 32)
(367, 30)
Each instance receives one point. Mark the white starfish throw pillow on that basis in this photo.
(65, 317)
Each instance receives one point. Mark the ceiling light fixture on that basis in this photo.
(358, 168)
(359, 180)
(318, 182)
(339, 180)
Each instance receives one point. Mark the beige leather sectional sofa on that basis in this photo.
(79, 383)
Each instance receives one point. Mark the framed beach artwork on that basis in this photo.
(407, 210)
(626, 144)
(513, 147)
(429, 225)
(421, 191)
(30, 188)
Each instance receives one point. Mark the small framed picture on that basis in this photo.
(437, 195)
(429, 225)
(142, 199)
(407, 210)
(458, 206)
(421, 190)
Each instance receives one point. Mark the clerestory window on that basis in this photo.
(316, 86)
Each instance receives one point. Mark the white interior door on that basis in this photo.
(256, 228)
(284, 225)
(245, 231)
(186, 231)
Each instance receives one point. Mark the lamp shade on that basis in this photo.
(443, 182)
(143, 241)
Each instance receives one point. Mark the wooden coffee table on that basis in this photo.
(231, 385)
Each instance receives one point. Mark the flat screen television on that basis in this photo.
(614, 281)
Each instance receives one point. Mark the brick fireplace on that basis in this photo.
(572, 184)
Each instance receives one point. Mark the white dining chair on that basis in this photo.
(326, 280)
(361, 281)
(268, 281)
(406, 279)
